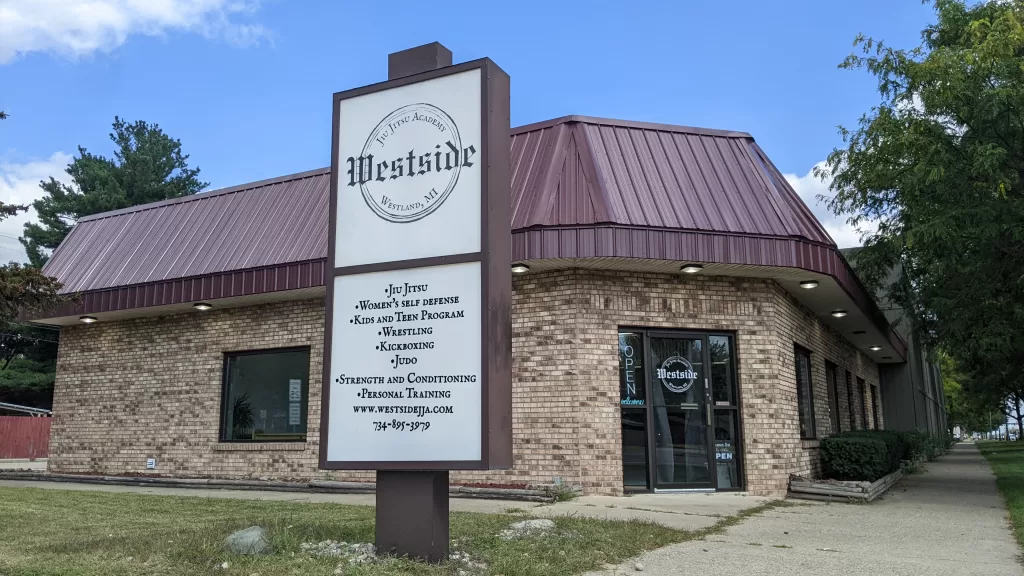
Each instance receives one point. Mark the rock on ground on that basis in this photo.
(252, 540)
(527, 528)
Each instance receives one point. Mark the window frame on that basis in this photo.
(797, 352)
(851, 407)
(874, 405)
(227, 356)
(832, 388)
(863, 402)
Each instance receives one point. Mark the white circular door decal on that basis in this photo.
(677, 374)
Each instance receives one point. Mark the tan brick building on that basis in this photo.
(680, 322)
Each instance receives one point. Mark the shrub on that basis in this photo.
(895, 445)
(924, 445)
(950, 440)
(935, 446)
(855, 457)
(917, 444)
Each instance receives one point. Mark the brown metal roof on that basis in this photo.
(581, 188)
(267, 223)
(565, 172)
(579, 170)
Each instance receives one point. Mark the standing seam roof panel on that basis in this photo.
(619, 174)
(655, 186)
(668, 192)
(691, 149)
(747, 154)
(809, 225)
(208, 225)
(684, 183)
(167, 237)
(607, 187)
(751, 200)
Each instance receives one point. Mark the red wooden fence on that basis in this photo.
(24, 436)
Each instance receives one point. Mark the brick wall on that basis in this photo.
(151, 388)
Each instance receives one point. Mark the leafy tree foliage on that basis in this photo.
(28, 363)
(966, 407)
(23, 288)
(938, 165)
(147, 166)
(27, 355)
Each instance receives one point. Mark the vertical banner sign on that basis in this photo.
(417, 352)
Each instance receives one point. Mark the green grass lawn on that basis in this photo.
(1007, 460)
(71, 533)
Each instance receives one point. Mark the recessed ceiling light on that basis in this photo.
(876, 348)
(691, 268)
(839, 313)
(202, 306)
(520, 268)
(808, 284)
(886, 357)
(87, 319)
(859, 332)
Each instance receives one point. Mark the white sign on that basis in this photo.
(405, 365)
(294, 390)
(405, 351)
(294, 414)
(409, 172)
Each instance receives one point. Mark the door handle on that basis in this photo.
(709, 414)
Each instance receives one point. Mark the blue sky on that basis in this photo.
(246, 86)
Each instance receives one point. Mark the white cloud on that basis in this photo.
(19, 184)
(809, 187)
(74, 28)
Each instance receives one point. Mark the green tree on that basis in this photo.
(28, 365)
(26, 362)
(147, 166)
(23, 288)
(966, 408)
(938, 165)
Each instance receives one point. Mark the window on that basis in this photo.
(851, 407)
(633, 399)
(265, 396)
(727, 412)
(874, 405)
(805, 396)
(833, 396)
(863, 403)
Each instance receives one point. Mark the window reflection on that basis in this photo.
(265, 396)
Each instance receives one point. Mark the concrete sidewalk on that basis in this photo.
(948, 520)
(23, 464)
(680, 511)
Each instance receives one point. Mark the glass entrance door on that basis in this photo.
(681, 412)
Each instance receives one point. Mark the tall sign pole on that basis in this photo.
(418, 340)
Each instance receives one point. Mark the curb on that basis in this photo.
(314, 486)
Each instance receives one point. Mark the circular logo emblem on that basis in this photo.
(677, 374)
(411, 163)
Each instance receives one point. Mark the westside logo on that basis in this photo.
(411, 163)
(677, 374)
